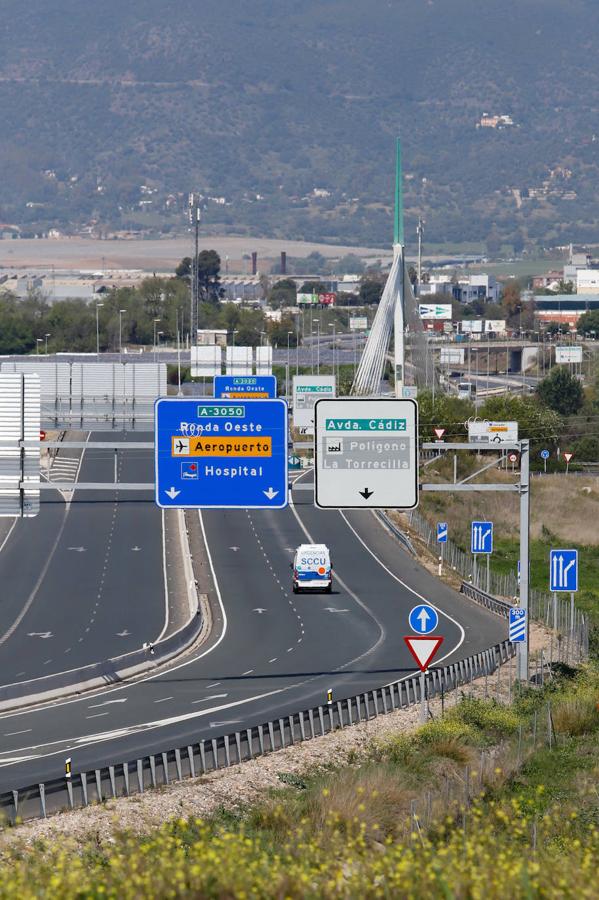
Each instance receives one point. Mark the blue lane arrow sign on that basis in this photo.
(517, 626)
(481, 537)
(442, 532)
(217, 454)
(563, 570)
(423, 619)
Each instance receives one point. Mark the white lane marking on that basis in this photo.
(226, 722)
(107, 703)
(10, 531)
(40, 634)
(28, 603)
(14, 733)
(408, 588)
(96, 715)
(211, 697)
(274, 659)
(249, 672)
(214, 684)
(163, 699)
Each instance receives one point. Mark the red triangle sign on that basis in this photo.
(423, 649)
(439, 432)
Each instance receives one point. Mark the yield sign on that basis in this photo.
(568, 456)
(423, 649)
(439, 432)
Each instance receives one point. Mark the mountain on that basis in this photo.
(284, 112)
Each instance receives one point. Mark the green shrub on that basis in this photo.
(487, 716)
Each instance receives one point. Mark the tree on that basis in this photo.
(183, 270)
(208, 269)
(589, 322)
(278, 332)
(283, 293)
(371, 290)
(350, 264)
(561, 391)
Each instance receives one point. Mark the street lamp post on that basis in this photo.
(317, 346)
(289, 333)
(121, 313)
(158, 333)
(46, 337)
(334, 327)
(98, 305)
(38, 341)
(155, 323)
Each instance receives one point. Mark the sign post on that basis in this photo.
(563, 576)
(215, 454)
(442, 532)
(366, 454)
(544, 457)
(568, 457)
(481, 541)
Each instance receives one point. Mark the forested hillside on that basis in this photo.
(261, 102)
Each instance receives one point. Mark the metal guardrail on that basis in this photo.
(100, 674)
(499, 607)
(399, 534)
(122, 779)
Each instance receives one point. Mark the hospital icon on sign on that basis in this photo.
(189, 471)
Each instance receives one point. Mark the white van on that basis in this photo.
(312, 569)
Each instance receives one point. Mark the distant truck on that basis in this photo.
(466, 390)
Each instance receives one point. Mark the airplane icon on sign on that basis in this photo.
(181, 447)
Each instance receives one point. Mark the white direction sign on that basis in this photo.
(483, 432)
(307, 389)
(19, 421)
(366, 454)
(569, 355)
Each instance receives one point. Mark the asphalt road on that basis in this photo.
(84, 580)
(277, 652)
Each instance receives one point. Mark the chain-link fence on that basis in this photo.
(557, 613)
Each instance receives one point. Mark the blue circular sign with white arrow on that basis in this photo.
(544, 454)
(423, 619)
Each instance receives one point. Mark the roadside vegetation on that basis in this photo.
(491, 800)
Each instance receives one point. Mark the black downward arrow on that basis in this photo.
(366, 493)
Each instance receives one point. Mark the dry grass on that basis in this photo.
(575, 521)
(576, 716)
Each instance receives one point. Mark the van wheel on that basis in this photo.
(329, 589)
(295, 589)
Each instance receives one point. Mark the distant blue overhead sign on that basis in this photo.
(219, 454)
(245, 387)
(481, 537)
(423, 619)
(563, 570)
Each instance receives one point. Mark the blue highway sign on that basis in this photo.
(544, 454)
(517, 626)
(441, 532)
(218, 454)
(423, 619)
(481, 537)
(245, 387)
(563, 570)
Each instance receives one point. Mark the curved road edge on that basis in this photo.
(151, 657)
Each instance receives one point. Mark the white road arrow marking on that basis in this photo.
(172, 493)
(228, 722)
(423, 618)
(123, 633)
(259, 610)
(40, 634)
(107, 703)
(332, 609)
(234, 549)
(78, 549)
(136, 549)
(270, 493)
